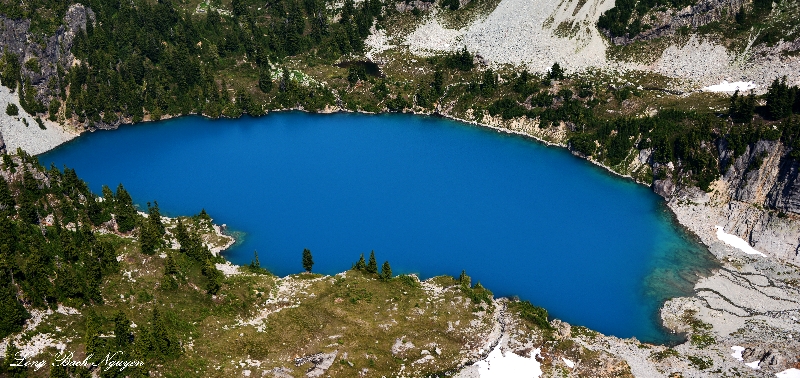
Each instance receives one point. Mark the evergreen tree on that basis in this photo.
(308, 260)
(105, 253)
(154, 217)
(124, 210)
(372, 265)
(386, 271)
(780, 99)
(6, 369)
(214, 276)
(265, 81)
(556, 72)
(255, 264)
(13, 313)
(148, 238)
(181, 234)
(438, 82)
(169, 265)
(122, 331)
(464, 278)
(7, 203)
(94, 344)
(742, 107)
(164, 343)
(361, 264)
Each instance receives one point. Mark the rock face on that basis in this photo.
(757, 199)
(668, 22)
(52, 52)
(2, 145)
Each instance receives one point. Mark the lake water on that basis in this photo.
(429, 195)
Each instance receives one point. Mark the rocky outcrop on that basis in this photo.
(2, 146)
(663, 23)
(50, 52)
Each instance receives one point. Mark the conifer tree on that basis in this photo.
(214, 277)
(361, 264)
(372, 265)
(386, 271)
(169, 265)
(780, 99)
(464, 278)
(122, 330)
(308, 260)
(7, 202)
(6, 369)
(163, 342)
(13, 313)
(154, 217)
(255, 264)
(556, 72)
(124, 210)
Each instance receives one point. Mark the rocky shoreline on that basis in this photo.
(749, 302)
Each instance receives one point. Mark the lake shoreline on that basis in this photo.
(669, 313)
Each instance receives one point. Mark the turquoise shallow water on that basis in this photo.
(430, 195)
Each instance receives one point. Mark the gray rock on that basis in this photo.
(670, 21)
(51, 52)
(2, 146)
(665, 188)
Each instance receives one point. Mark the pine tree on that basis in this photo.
(164, 342)
(386, 271)
(6, 369)
(148, 238)
(361, 264)
(265, 81)
(214, 277)
(464, 278)
(255, 264)
(122, 330)
(780, 99)
(308, 260)
(154, 217)
(7, 202)
(124, 210)
(372, 265)
(556, 72)
(14, 314)
(169, 265)
(182, 235)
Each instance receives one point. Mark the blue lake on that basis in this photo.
(429, 195)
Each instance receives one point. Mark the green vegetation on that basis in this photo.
(12, 109)
(627, 16)
(308, 260)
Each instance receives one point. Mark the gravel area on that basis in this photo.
(31, 138)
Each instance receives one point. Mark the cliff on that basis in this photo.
(51, 52)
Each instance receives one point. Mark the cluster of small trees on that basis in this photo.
(59, 265)
(371, 267)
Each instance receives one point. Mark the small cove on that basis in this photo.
(431, 196)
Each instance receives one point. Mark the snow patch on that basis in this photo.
(731, 87)
(510, 365)
(737, 352)
(789, 373)
(754, 364)
(736, 242)
(569, 363)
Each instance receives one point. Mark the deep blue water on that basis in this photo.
(430, 195)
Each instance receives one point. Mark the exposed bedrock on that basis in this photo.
(664, 23)
(50, 52)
